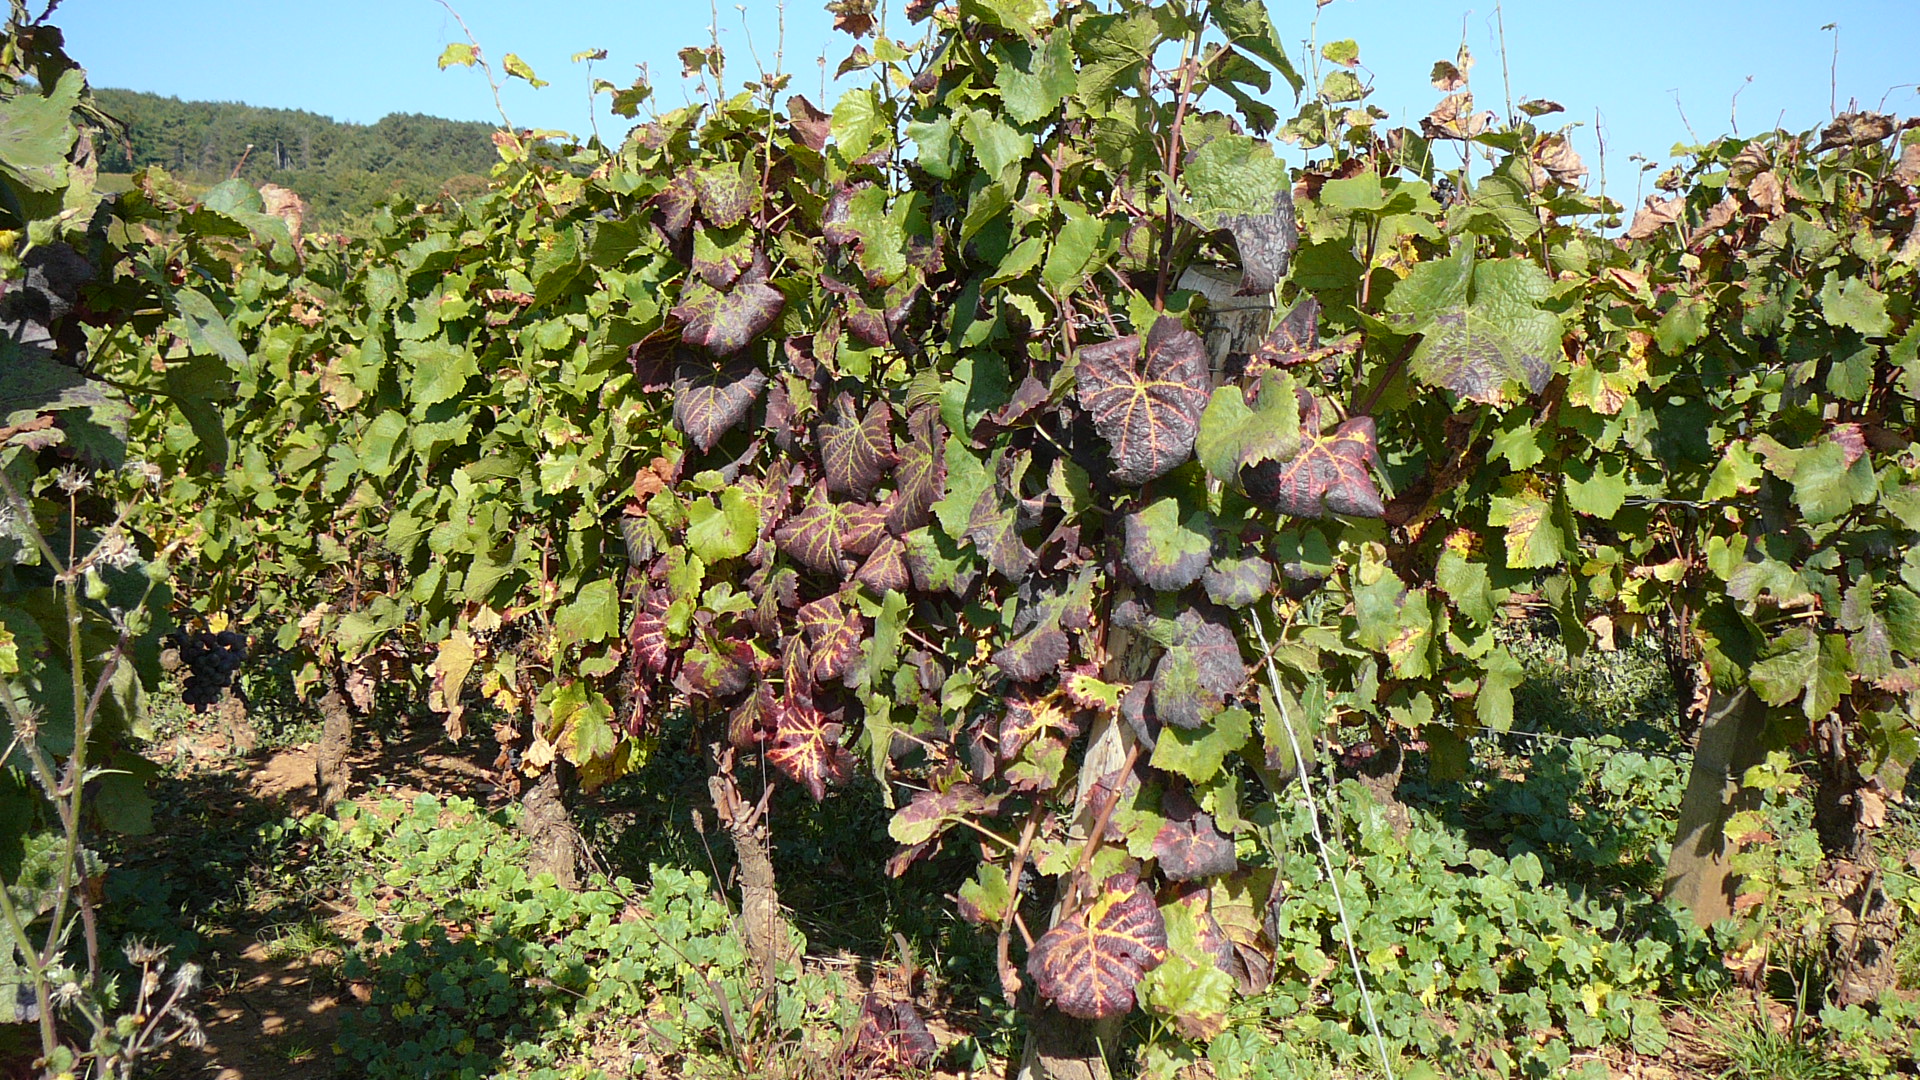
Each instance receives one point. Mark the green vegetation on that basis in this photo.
(343, 171)
(1316, 688)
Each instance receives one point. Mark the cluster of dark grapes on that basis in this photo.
(210, 661)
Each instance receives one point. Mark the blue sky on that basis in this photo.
(1640, 62)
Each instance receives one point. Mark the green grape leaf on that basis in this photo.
(1483, 328)
(1198, 754)
(1090, 963)
(727, 194)
(937, 563)
(985, 897)
(709, 402)
(1233, 436)
(720, 256)
(726, 531)
(1235, 183)
(1162, 550)
(1146, 404)
(1237, 581)
(1848, 301)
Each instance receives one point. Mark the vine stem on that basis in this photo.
(1097, 836)
(1172, 162)
(1009, 978)
(1320, 841)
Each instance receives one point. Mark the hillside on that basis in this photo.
(343, 170)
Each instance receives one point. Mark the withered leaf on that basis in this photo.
(1090, 964)
(1855, 129)
(810, 126)
(1146, 403)
(709, 402)
(1266, 243)
(891, 1033)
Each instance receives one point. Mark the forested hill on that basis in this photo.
(342, 170)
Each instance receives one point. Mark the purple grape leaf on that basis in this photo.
(886, 569)
(709, 402)
(856, 450)
(1090, 963)
(891, 1033)
(919, 480)
(1198, 671)
(723, 323)
(833, 633)
(1188, 846)
(1265, 242)
(994, 528)
(814, 535)
(1146, 404)
(1027, 718)
(673, 208)
(1295, 339)
(1332, 474)
(721, 255)
(866, 527)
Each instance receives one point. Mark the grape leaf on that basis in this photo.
(727, 194)
(938, 564)
(866, 527)
(647, 636)
(833, 633)
(932, 812)
(1332, 475)
(994, 528)
(720, 256)
(1237, 581)
(805, 746)
(724, 322)
(1233, 436)
(673, 208)
(1198, 671)
(1146, 403)
(1164, 552)
(708, 402)
(814, 536)
(1295, 339)
(1027, 718)
(1483, 328)
(1235, 183)
(855, 450)
(1188, 846)
(891, 1033)
(919, 480)
(886, 569)
(1090, 963)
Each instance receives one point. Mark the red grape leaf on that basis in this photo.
(673, 208)
(708, 402)
(724, 322)
(1188, 846)
(805, 746)
(1332, 474)
(836, 218)
(1198, 671)
(727, 194)
(715, 668)
(1147, 405)
(919, 480)
(886, 569)
(647, 636)
(1090, 963)
(815, 535)
(833, 632)
(855, 450)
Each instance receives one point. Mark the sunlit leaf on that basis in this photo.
(834, 632)
(1090, 963)
(1146, 403)
(1332, 474)
(724, 322)
(1188, 846)
(806, 747)
(856, 449)
(1165, 549)
(709, 402)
